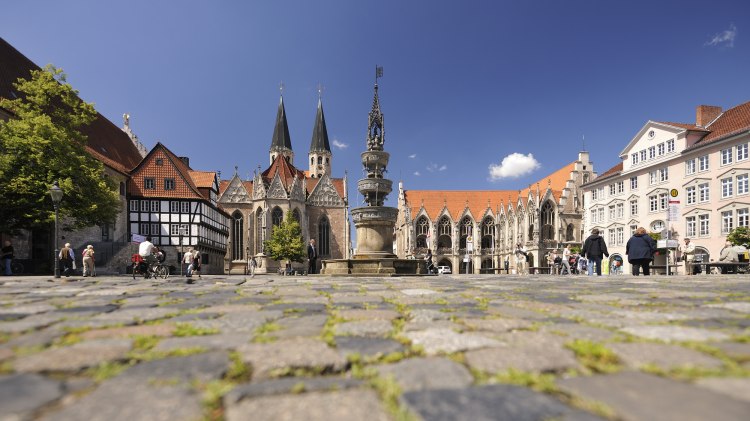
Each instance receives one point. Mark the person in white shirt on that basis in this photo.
(565, 260)
(521, 253)
(146, 250)
(688, 255)
(187, 262)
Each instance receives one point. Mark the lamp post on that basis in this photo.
(56, 193)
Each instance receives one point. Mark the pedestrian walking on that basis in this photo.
(67, 260)
(253, 265)
(187, 262)
(312, 256)
(565, 260)
(640, 250)
(687, 252)
(593, 249)
(507, 265)
(197, 262)
(7, 252)
(428, 261)
(88, 261)
(521, 255)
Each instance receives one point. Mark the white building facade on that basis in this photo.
(700, 169)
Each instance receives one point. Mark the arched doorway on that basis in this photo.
(466, 267)
(446, 262)
(487, 263)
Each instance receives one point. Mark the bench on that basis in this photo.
(662, 269)
(725, 267)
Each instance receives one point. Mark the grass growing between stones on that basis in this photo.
(107, 370)
(263, 334)
(594, 356)
(187, 329)
(329, 329)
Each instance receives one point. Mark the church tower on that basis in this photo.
(320, 150)
(281, 143)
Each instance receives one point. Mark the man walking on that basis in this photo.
(521, 256)
(688, 255)
(187, 262)
(593, 249)
(7, 257)
(565, 260)
(312, 256)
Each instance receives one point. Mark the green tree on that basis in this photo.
(739, 236)
(42, 143)
(286, 242)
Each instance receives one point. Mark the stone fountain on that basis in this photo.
(374, 222)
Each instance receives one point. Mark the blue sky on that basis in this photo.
(467, 83)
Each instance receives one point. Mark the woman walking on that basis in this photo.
(88, 261)
(640, 250)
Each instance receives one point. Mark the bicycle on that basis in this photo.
(16, 267)
(161, 270)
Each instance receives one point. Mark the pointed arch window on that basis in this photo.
(569, 233)
(324, 237)
(238, 229)
(260, 230)
(423, 229)
(548, 221)
(320, 160)
(445, 231)
(277, 215)
(467, 228)
(488, 233)
(296, 216)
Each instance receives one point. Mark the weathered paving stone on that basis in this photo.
(418, 291)
(266, 359)
(369, 314)
(209, 342)
(578, 331)
(649, 316)
(664, 356)
(29, 309)
(21, 394)
(288, 385)
(496, 325)
(199, 367)
(736, 350)
(75, 357)
(639, 396)
(31, 322)
(675, 333)
(435, 341)
(300, 326)
(367, 347)
(742, 307)
(738, 388)
(427, 315)
(345, 405)
(427, 373)
(162, 329)
(242, 322)
(485, 403)
(523, 358)
(365, 328)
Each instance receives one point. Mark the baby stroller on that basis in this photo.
(583, 265)
(573, 262)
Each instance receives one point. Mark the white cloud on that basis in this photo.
(724, 38)
(513, 165)
(417, 173)
(340, 145)
(435, 167)
(443, 168)
(412, 156)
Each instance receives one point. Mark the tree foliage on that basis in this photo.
(739, 236)
(42, 143)
(286, 242)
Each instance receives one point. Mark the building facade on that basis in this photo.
(702, 168)
(316, 200)
(474, 230)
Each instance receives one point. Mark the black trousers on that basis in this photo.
(312, 266)
(641, 263)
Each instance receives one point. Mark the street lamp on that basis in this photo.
(56, 193)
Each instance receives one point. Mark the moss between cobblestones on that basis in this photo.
(595, 356)
(107, 370)
(263, 333)
(187, 329)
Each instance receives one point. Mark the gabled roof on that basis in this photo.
(287, 172)
(731, 122)
(281, 139)
(177, 169)
(203, 179)
(106, 142)
(319, 141)
(612, 172)
(477, 201)
(338, 183)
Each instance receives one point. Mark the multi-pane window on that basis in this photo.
(690, 167)
(742, 152)
(670, 145)
(612, 212)
(593, 216)
(727, 222)
(657, 226)
(726, 187)
(620, 187)
(149, 183)
(690, 226)
(703, 163)
(185, 207)
(154, 206)
(155, 229)
(612, 236)
(174, 229)
(134, 205)
(653, 177)
(742, 185)
(612, 190)
(620, 210)
(634, 183)
(277, 215)
(632, 229)
(174, 207)
(144, 229)
(660, 149)
(663, 199)
(601, 214)
(651, 152)
(643, 155)
(703, 192)
(169, 184)
(634, 158)
(620, 236)
(145, 205)
(742, 217)
(633, 207)
(663, 174)
(726, 156)
(690, 195)
(703, 225)
(653, 203)
(594, 194)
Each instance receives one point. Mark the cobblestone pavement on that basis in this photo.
(318, 348)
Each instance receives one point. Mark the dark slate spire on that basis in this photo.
(319, 141)
(281, 140)
(375, 129)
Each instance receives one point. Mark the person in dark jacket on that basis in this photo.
(593, 249)
(640, 250)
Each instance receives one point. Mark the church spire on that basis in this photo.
(281, 142)
(375, 132)
(320, 149)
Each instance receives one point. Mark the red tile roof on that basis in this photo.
(287, 172)
(172, 167)
(479, 200)
(732, 121)
(684, 126)
(203, 179)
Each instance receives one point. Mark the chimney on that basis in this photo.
(705, 114)
(185, 160)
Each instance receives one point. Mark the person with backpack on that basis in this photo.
(640, 250)
(593, 249)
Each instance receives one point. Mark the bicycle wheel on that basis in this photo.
(162, 272)
(16, 267)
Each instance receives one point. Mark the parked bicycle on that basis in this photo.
(142, 268)
(16, 267)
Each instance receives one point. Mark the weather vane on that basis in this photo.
(281, 88)
(378, 73)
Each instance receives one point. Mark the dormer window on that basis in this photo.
(159, 162)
